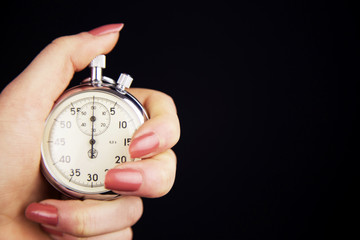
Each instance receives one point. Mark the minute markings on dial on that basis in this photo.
(93, 120)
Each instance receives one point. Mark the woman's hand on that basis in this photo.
(24, 106)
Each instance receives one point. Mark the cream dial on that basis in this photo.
(87, 134)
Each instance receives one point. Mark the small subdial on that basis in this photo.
(93, 118)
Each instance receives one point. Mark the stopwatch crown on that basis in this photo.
(99, 61)
(96, 65)
(124, 81)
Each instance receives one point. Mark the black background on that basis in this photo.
(266, 96)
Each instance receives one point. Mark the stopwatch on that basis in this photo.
(88, 132)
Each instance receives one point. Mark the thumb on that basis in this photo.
(42, 82)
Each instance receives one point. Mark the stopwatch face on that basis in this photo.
(85, 135)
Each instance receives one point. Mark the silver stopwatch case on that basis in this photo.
(88, 132)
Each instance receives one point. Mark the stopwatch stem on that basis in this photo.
(96, 65)
(96, 76)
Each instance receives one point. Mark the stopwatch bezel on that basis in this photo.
(86, 87)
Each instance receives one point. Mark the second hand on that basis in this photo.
(92, 119)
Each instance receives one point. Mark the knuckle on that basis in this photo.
(167, 182)
(174, 126)
(169, 99)
(135, 210)
(174, 131)
(60, 40)
(163, 98)
(168, 176)
(164, 179)
(60, 43)
(82, 221)
(62, 47)
(69, 40)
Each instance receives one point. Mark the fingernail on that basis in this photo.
(143, 145)
(127, 180)
(42, 213)
(110, 28)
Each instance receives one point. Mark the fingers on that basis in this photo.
(155, 175)
(41, 83)
(159, 133)
(89, 218)
(152, 177)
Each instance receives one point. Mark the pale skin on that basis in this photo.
(25, 104)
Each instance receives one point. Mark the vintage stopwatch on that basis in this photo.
(88, 132)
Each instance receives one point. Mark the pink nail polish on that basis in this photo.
(127, 180)
(143, 145)
(42, 213)
(110, 28)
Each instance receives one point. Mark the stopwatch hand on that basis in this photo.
(92, 119)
